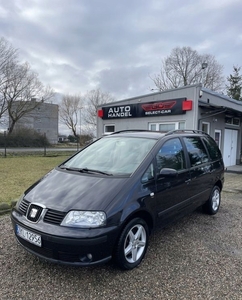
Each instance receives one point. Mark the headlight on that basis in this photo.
(84, 219)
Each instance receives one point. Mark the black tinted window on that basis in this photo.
(171, 155)
(212, 147)
(196, 151)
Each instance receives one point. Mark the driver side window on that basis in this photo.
(171, 155)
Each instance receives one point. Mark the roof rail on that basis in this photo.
(130, 130)
(185, 131)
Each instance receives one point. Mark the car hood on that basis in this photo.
(64, 190)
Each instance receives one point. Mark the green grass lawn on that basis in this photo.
(18, 173)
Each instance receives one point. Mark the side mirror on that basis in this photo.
(167, 172)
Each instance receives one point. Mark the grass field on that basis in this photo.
(18, 173)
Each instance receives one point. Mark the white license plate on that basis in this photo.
(28, 236)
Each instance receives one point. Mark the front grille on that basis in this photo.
(54, 216)
(23, 207)
(51, 216)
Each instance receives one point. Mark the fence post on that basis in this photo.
(5, 144)
(44, 144)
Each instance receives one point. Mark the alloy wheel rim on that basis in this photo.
(215, 200)
(135, 242)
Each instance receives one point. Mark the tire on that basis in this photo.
(211, 207)
(132, 244)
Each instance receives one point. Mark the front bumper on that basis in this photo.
(70, 250)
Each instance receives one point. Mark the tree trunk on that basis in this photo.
(11, 127)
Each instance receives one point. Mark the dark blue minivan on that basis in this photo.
(104, 201)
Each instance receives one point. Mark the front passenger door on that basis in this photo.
(172, 189)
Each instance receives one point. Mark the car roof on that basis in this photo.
(139, 133)
(156, 134)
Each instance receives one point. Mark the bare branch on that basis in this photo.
(184, 67)
(8, 56)
(93, 99)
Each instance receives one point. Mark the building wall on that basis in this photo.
(43, 119)
(189, 117)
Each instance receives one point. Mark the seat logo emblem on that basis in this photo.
(33, 213)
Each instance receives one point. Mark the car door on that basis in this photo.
(200, 169)
(172, 179)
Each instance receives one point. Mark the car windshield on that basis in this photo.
(112, 155)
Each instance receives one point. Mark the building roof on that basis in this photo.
(219, 100)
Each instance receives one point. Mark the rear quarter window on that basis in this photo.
(212, 147)
(196, 151)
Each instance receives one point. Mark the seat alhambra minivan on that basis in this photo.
(103, 202)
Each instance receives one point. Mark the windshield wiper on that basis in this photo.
(63, 167)
(95, 171)
(85, 170)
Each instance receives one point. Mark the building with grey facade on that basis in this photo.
(189, 107)
(43, 119)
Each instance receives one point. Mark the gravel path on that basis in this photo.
(198, 257)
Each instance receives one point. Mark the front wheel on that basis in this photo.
(212, 205)
(132, 244)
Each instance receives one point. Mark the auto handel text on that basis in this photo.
(120, 111)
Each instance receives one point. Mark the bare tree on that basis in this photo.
(8, 56)
(21, 86)
(18, 85)
(70, 109)
(184, 67)
(93, 99)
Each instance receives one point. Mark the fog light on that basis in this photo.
(89, 256)
(86, 258)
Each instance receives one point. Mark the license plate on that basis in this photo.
(28, 236)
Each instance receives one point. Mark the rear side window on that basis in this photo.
(196, 151)
(212, 147)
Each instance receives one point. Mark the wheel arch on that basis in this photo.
(219, 184)
(143, 214)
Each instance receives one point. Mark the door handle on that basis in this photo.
(187, 181)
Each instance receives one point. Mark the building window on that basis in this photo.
(232, 121)
(181, 125)
(217, 137)
(206, 127)
(108, 129)
(236, 121)
(153, 127)
(166, 126)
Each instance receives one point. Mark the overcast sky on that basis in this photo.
(79, 45)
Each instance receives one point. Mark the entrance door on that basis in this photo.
(230, 147)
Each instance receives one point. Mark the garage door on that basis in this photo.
(230, 147)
